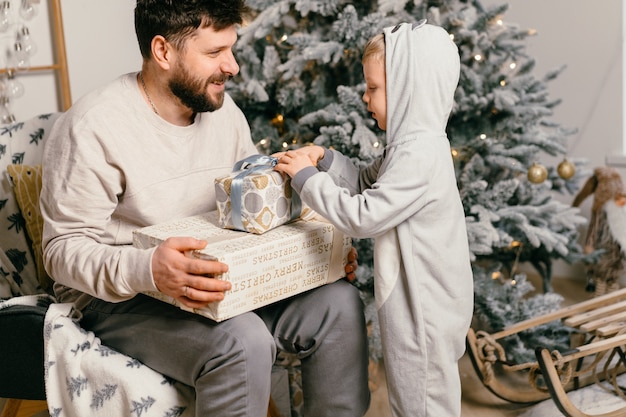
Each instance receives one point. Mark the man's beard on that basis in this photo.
(192, 92)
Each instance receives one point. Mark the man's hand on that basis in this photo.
(194, 282)
(352, 265)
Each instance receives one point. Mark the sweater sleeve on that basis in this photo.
(79, 194)
(405, 181)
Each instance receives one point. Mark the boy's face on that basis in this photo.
(375, 95)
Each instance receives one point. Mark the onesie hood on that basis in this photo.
(422, 72)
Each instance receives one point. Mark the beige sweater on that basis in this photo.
(111, 166)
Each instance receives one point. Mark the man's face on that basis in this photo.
(199, 75)
(375, 95)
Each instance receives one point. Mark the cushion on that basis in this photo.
(27, 187)
(20, 143)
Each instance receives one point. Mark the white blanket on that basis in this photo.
(85, 378)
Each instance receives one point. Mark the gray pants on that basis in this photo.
(229, 363)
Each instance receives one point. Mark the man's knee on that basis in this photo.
(343, 301)
(251, 338)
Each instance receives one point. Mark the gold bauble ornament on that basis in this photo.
(537, 173)
(566, 169)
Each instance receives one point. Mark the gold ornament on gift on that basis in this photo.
(537, 173)
(566, 169)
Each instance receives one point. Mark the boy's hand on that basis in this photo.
(292, 162)
(315, 153)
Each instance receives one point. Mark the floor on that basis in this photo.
(477, 400)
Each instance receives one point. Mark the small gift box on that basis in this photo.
(255, 198)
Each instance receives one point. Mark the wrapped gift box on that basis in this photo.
(255, 198)
(263, 269)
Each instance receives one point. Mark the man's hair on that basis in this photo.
(176, 20)
(375, 49)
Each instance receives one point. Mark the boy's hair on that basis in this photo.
(375, 49)
(176, 20)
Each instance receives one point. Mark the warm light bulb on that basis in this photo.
(28, 10)
(6, 116)
(483, 136)
(512, 65)
(28, 45)
(13, 88)
(478, 57)
(503, 83)
(376, 144)
(18, 58)
(6, 20)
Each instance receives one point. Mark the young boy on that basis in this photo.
(408, 200)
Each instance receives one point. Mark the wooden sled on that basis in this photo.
(597, 356)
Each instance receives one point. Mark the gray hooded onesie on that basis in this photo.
(408, 200)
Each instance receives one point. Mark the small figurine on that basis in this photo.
(607, 229)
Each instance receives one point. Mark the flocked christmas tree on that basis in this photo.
(301, 82)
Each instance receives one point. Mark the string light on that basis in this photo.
(478, 57)
(18, 49)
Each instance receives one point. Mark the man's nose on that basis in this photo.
(230, 65)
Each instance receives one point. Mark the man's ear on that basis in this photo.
(162, 51)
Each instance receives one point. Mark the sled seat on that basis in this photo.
(597, 355)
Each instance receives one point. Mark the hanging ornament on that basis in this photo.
(537, 173)
(566, 169)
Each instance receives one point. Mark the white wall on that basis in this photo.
(101, 44)
(585, 35)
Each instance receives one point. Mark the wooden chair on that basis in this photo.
(597, 356)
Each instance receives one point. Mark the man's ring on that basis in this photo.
(185, 290)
